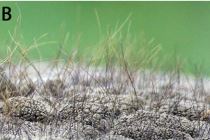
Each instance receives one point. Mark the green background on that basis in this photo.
(182, 28)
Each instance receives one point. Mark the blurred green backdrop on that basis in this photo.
(182, 28)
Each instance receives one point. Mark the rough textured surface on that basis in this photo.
(143, 123)
(148, 131)
(192, 110)
(26, 109)
(103, 105)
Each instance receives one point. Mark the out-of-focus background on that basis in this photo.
(181, 28)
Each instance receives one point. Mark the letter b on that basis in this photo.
(6, 13)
